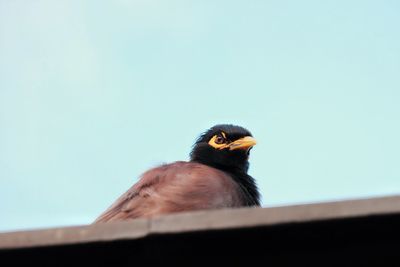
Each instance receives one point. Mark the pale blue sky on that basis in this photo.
(93, 93)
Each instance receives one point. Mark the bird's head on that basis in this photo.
(224, 147)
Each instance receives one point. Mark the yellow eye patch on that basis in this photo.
(218, 142)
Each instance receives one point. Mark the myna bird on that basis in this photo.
(215, 177)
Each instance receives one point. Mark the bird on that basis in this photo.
(215, 177)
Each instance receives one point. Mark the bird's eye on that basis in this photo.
(219, 140)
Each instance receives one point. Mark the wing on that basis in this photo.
(180, 186)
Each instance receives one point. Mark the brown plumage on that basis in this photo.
(216, 177)
(180, 186)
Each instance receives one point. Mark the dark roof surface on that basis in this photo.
(357, 231)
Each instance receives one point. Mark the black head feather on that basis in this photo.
(233, 162)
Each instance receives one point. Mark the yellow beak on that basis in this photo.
(243, 143)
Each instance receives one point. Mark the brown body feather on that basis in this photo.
(180, 186)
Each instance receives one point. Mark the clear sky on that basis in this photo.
(93, 93)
